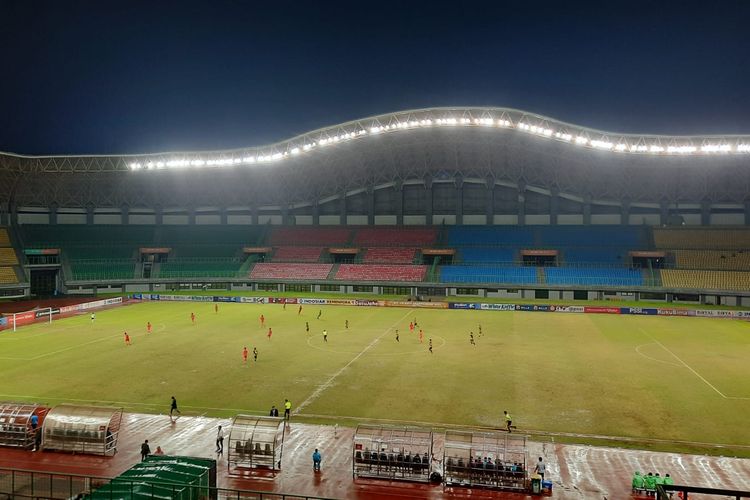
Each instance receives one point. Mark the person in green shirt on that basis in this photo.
(668, 481)
(650, 482)
(637, 481)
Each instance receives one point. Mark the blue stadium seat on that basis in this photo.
(593, 276)
(480, 235)
(479, 254)
(487, 274)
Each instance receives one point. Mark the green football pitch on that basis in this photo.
(673, 379)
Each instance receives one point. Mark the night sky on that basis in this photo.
(135, 77)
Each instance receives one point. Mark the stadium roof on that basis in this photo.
(502, 120)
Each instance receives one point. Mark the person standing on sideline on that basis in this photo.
(287, 409)
(145, 450)
(316, 460)
(127, 339)
(325, 335)
(220, 441)
(244, 354)
(255, 354)
(540, 468)
(173, 407)
(34, 422)
(274, 411)
(159, 451)
(509, 421)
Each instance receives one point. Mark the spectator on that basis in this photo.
(540, 468)
(34, 422)
(274, 411)
(159, 451)
(220, 441)
(650, 482)
(145, 450)
(668, 481)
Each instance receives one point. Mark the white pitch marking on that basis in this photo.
(689, 367)
(638, 350)
(321, 388)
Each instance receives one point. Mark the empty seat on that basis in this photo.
(375, 272)
(297, 254)
(272, 270)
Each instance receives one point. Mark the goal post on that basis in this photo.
(29, 317)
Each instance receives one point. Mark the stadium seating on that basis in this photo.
(233, 235)
(4, 237)
(374, 272)
(272, 270)
(200, 268)
(391, 255)
(593, 276)
(701, 279)
(486, 274)
(61, 235)
(297, 254)
(484, 255)
(8, 257)
(708, 238)
(102, 269)
(8, 276)
(285, 236)
(713, 259)
(396, 236)
(629, 237)
(602, 255)
(480, 235)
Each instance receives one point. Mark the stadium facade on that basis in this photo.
(443, 167)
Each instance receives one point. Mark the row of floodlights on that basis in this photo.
(542, 131)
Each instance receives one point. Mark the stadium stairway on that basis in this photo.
(334, 270)
(541, 277)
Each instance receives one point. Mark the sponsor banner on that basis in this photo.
(44, 313)
(743, 314)
(716, 313)
(566, 309)
(3, 321)
(497, 307)
(366, 303)
(540, 252)
(282, 300)
(463, 305)
(137, 296)
(674, 312)
(23, 318)
(601, 310)
(318, 302)
(534, 307)
(253, 300)
(339, 302)
(226, 299)
(343, 251)
(645, 311)
(419, 305)
(91, 305)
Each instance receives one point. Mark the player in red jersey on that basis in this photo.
(127, 339)
(270, 332)
(262, 320)
(421, 335)
(411, 327)
(192, 317)
(148, 327)
(244, 354)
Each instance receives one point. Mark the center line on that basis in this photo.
(317, 392)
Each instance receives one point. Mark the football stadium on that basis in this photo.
(439, 300)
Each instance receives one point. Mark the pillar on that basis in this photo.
(554, 206)
(89, 214)
(285, 215)
(428, 200)
(53, 214)
(706, 213)
(254, 215)
(625, 212)
(587, 210)
(191, 216)
(490, 184)
(663, 212)
(371, 205)
(398, 187)
(521, 203)
(342, 209)
(459, 183)
(158, 215)
(223, 217)
(124, 214)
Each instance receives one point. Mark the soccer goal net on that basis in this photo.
(28, 317)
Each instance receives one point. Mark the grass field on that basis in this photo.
(677, 379)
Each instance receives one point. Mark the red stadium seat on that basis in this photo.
(265, 270)
(396, 236)
(297, 254)
(367, 272)
(395, 255)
